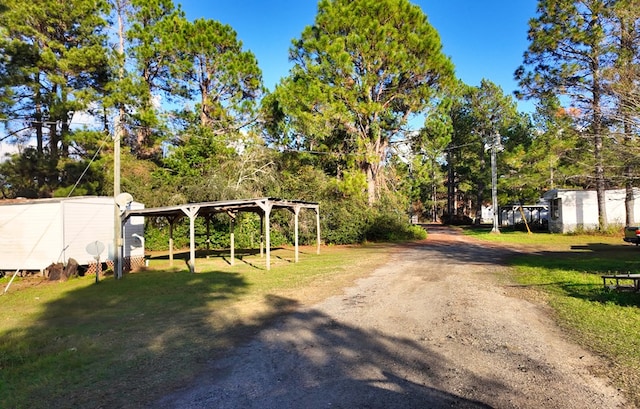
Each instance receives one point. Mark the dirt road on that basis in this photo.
(434, 328)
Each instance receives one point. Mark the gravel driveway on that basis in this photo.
(433, 328)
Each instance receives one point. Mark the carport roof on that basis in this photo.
(257, 205)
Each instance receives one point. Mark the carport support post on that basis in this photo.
(232, 239)
(261, 235)
(171, 222)
(171, 245)
(192, 212)
(208, 221)
(317, 209)
(296, 213)
(267, 233)
(266, 209)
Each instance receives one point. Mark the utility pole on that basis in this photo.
(117, 224)
(117, 137)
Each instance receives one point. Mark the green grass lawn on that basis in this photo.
(567, 269)
(115, 343)
(78, 344)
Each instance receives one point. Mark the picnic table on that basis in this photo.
(634, 278)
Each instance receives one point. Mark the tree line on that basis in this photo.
(187, 104)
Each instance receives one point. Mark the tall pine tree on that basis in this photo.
(54, 64)
(361, 70)
(568, 52)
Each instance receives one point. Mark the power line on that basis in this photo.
(104, 141)
(13, 133)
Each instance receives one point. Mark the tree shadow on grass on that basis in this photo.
(113, 343)
(588, 262)
(129, 342)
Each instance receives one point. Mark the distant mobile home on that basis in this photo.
(37, 233)
(511, 215)
(570, 210)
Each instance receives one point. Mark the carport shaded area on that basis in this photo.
(261, 206)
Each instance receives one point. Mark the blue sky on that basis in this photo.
(485, 39)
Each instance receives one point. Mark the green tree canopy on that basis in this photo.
(224, 79)
(54, 65)
(481, 117)
(568, 53)
(361, 70)
(156, 40)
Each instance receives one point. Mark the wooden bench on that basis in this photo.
(634, 278)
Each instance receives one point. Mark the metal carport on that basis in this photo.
(261, 206)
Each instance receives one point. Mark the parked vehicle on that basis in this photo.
(632, 234)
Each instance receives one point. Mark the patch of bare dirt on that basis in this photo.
(433, 328)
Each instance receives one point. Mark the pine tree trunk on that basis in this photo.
(371, 184)
(598, 147)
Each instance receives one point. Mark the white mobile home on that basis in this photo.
(36, 233)
(511, 215)
(570, 210)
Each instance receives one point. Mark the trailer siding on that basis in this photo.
(30, 237)
(85, 222)
(36, 233)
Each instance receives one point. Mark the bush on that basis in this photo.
(352, 220)
(390, 227)
(344, 222)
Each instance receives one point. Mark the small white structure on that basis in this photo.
(511, 215)
(570, 210)
(486, 215)
(36, 233)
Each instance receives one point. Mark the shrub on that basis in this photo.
(344, 222)
(390, 227)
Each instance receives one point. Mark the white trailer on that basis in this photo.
(570, 210)
(37, 233)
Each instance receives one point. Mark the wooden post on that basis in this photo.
(317, 209)
(296, 213)
(261, 235)
(171, 221)
(192, 212)
(267, 233)
(232, 228)
(192, 248)
(208, 221)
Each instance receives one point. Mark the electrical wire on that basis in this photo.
(104, 142)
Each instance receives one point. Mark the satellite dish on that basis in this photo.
(95, 248)
(123, 200)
